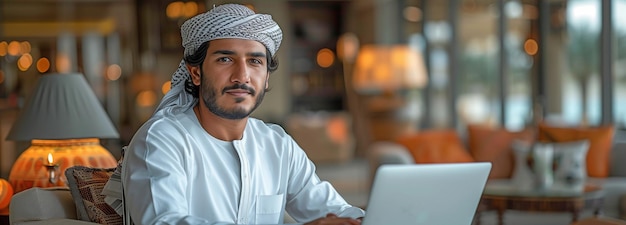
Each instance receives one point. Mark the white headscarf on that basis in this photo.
(224, 21)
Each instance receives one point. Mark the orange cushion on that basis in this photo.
(487, 144)
(600, 144)
(436, 146)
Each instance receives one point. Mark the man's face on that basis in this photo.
(234, 77)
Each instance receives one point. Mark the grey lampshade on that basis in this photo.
(62, 106)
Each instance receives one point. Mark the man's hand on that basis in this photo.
(332, 219)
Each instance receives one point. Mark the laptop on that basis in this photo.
(414, 194)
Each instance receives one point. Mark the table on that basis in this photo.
(504, 195)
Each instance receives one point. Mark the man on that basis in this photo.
(201, 159)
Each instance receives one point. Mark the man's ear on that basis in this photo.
(267, 81)
(195, 72)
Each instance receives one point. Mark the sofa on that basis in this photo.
(399, 152)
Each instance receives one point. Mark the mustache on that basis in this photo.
(240, 86)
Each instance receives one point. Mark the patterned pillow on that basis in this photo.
(570, 162)
(86, 185)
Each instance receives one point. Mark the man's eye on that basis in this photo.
(224, 59)
(256, 61)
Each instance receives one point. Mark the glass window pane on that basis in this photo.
(573, 86)
(437, 30)
(572, 82)
(619, 65)
(478, 100)
(520, 49)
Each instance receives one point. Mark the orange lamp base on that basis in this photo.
(33, 169)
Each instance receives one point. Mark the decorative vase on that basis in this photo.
(542, 166)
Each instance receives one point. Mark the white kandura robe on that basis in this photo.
(174, 172)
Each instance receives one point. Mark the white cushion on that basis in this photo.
(570, 161)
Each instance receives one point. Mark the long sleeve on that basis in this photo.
(156, 190)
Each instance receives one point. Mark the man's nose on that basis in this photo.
(241, 74)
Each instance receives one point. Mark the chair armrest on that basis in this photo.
(55, 222)
(386, 152)
(38, 204)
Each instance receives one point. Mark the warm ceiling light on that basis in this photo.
(166, 87)
(3, 48)
(412, 14)
(174, 10)
(325, 58)
(146, 98)
(531, 47)
(63, 63)
(25, 62)
(347, 47)
(43, 65)
(190, 9)
(24, 47)
(14, 48)
(114, 72)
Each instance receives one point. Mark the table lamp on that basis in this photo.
(387, 77)
(64, 120)
(387, 68)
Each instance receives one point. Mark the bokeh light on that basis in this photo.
(325, 57)
(190, 9)
(63, 63)
(174, 10)
(14, 48)
(114, 72)
(43, 65)
(24, 47)
(531, 47)
(166, 87)
(4, 48)
(412, 14)
(146, 98)
(25, 61)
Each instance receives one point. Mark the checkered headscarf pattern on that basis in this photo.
(224, 21)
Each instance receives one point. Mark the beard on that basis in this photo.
(209, 96)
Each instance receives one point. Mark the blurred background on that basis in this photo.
(351, 71)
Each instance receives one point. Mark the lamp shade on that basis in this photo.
(62, 106)
(382, 68)
(64, 121)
